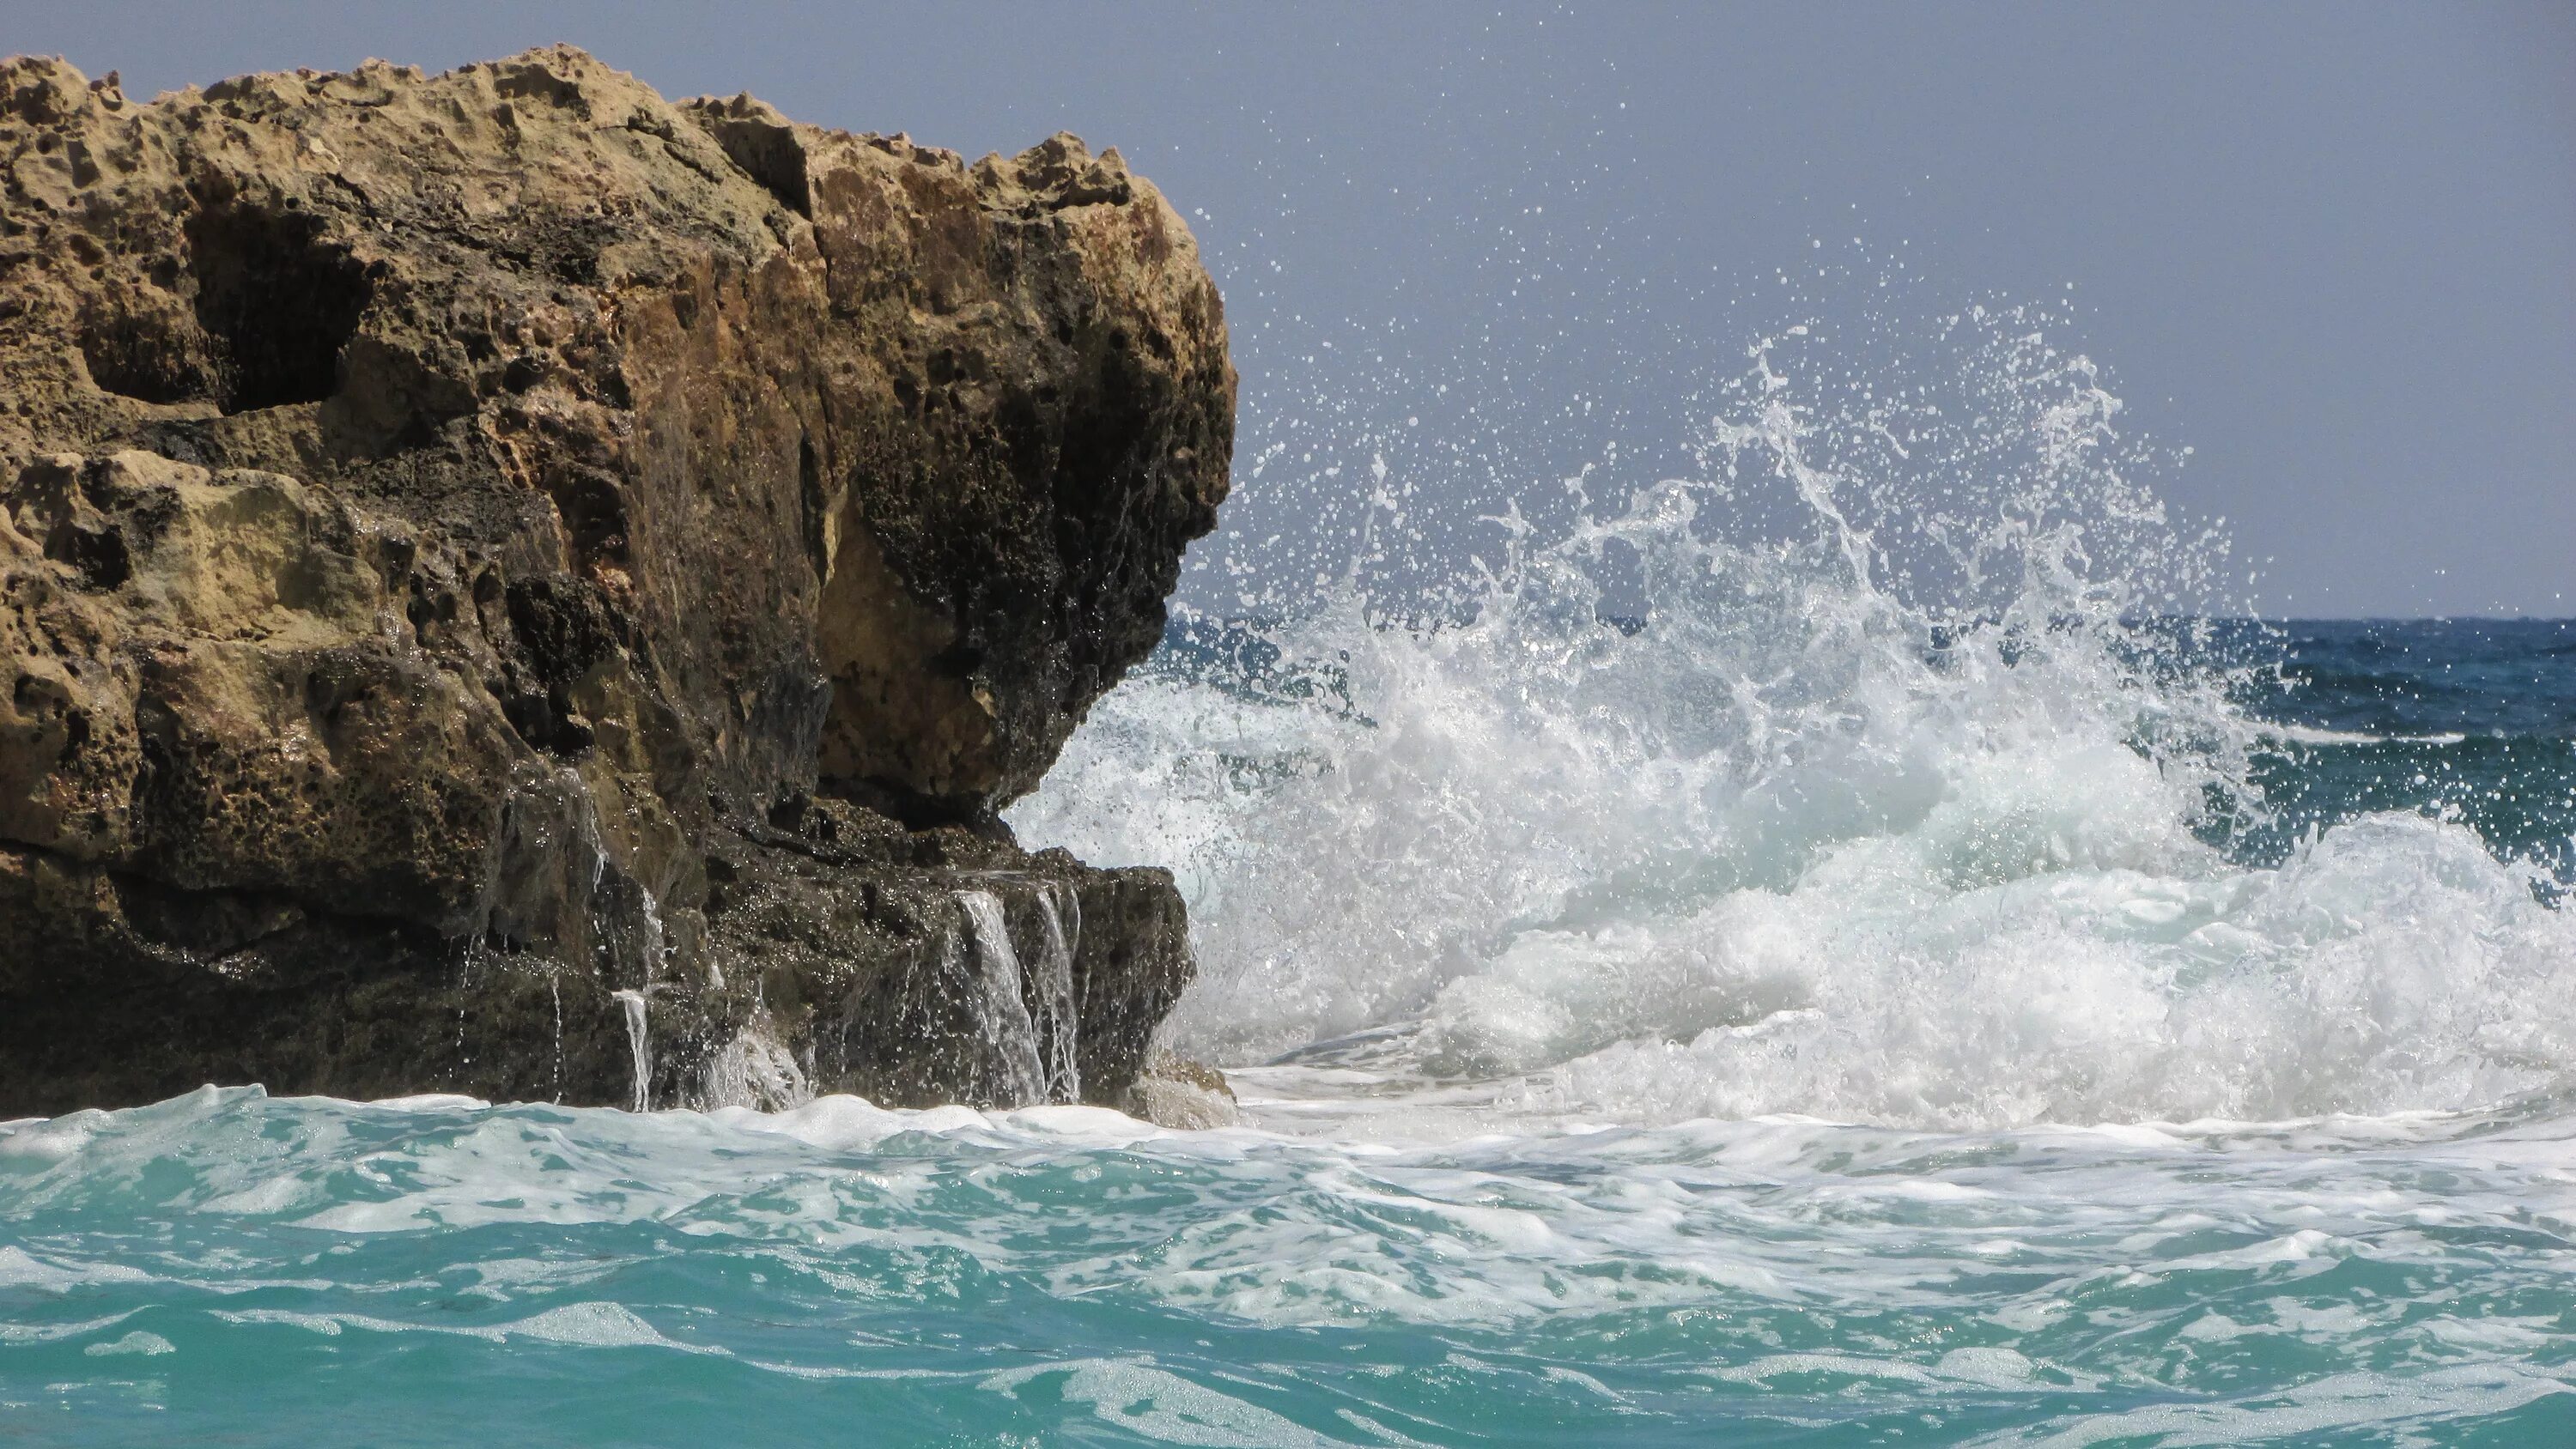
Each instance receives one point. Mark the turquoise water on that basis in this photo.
(233, 1268)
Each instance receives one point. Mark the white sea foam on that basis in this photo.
(574, 1325)
(1133, 1395)
(148, 1345)
(21, 1269)
(2311, 735)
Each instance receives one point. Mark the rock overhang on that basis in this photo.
(423, 490)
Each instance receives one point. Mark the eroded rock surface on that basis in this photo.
(487, 557)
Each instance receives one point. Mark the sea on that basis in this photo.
(1858, 942)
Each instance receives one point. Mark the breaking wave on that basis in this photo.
(1885, 767)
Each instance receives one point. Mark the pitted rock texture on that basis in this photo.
(461, 536)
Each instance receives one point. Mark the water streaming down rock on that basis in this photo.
(756, 1070)
(639, 1042)
(1058, 1012)
(1000, 1004)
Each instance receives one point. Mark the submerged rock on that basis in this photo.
(1176, 1092)
(515, 586)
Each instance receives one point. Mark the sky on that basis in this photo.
(2330, 249)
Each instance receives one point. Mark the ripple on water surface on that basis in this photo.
(228, 1266)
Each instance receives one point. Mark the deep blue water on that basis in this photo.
(2473, 718)
(2511, 679)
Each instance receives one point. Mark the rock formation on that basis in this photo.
(515, 586)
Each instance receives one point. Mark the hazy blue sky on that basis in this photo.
(2330, 247)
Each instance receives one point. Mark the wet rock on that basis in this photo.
(1173, 1091)
(482, 553)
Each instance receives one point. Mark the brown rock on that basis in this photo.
(447, 522)
(1185, 1095)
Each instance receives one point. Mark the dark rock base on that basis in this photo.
(838, 952)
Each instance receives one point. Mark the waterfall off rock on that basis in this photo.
(757, 1070)
(1058, 1014)
(1001, 1010)
(639, 1041)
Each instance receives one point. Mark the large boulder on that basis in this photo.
(509, 584)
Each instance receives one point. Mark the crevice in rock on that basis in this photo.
(767, 149)
(915, 809)
(206, 924)
(809, 482)
(277, 302)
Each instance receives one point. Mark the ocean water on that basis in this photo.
(1858, 943)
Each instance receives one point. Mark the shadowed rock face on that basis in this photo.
(483, 554)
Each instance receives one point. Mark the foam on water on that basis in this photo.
(607, 1277)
